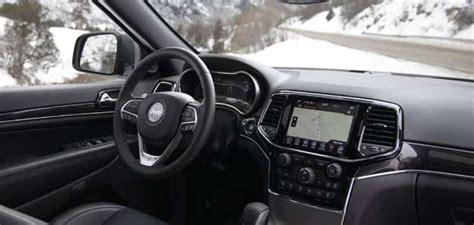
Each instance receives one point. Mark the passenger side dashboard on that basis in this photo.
(429, 138)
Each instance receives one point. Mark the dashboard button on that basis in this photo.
(305, 143)
(334, 170)
(318, 193)
(331, 148)
(284, 159)
(306, 175)
(322, 146)
(289, 140)
(297, 141)
(329, 195)
(341, 150)
(250, 126)
(336, 186)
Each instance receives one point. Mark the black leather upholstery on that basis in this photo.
(105, 214)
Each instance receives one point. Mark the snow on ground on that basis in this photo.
(309, 53)
(5, 79)
(65, 40)
(397, 17)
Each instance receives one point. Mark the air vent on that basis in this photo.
(163, 86)
(380, 132)
(271, 119)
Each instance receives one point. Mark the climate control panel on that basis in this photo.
(310, 179)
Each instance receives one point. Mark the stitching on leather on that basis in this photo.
(87, 211)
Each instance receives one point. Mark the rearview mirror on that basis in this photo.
(105, 53)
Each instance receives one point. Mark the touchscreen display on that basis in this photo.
(320, 125)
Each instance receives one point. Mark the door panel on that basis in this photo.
(51, 136)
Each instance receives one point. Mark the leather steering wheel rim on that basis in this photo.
(205, 112)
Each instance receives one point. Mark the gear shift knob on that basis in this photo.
(254, 214)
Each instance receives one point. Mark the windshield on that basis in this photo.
(424, 37)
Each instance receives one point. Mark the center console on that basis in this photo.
(318, 141)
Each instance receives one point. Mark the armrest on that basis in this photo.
(10, 216)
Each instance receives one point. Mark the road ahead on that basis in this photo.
(456, 59)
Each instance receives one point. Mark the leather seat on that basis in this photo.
(105, 214)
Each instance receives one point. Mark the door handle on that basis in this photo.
(105, 101)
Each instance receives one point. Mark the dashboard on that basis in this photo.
(338, 141)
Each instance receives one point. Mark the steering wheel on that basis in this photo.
(164, 119)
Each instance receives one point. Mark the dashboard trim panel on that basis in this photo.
(397, 108)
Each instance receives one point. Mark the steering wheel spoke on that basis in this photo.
(129, 110)
(147, 159)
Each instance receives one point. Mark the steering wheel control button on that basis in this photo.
(334, 170)
(306, 175)
(156, 112)
(188, 115)
(187, 128)
(188, 120)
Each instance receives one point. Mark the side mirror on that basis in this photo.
(106, 53)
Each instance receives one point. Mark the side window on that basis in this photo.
(37, 40)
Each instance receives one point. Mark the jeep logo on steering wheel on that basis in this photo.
(156, 112)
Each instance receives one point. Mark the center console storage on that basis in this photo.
(317, 142)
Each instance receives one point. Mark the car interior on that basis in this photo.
(183, 137)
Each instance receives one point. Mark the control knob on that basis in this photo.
(284, 159)
(334, 170)
(306, 175)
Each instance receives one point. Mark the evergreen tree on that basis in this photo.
(81, 9)
(218, 36)
(30, 46)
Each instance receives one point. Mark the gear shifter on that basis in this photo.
(255, 214)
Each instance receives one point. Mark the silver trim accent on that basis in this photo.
(55, 117)
(122, 110)
(463, 176)
(145, 158)
(173, 85)
(440, 147)
(287, 93)
(254, 81)
(346, 203)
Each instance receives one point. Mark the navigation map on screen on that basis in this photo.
(319, 125)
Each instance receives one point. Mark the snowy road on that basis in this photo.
(455, 59)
